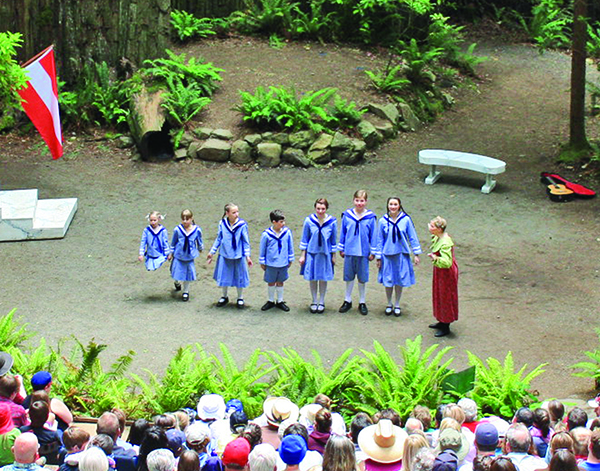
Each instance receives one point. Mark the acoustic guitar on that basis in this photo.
(579, 190)
(557, 192)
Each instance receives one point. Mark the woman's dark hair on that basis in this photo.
(556, 409)
(482, 463)
(165, 421)
(541, 420)
(297, 429)
(137, 430)
(154, 438)
(323, 420)
(188, 461)
(502, 463)
(401, 209)
(360, 421)
(563, 460)
(253, 434)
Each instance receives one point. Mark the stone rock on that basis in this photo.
(350, 155)
(181, 154)
(320, 156)
(224, 134)
(323, 142)
(215, 150)
(253, 139)
(341, 141)
(268, 154)
(388, 111)
(410, 122)
(281, 138)
(193, 148)
(296, 157)
(125, 142)
(266, 136)
(202, 133)
(447, 99)
(387, 130)
(360, 147)
(241, 152)
(186, 139)
(369, 133)
(301, 139)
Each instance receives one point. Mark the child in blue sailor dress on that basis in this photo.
(357, 246)
(154, 247)
(396, 238)
(186, 245)
(276, 256)
(318, 246)
(233, 245)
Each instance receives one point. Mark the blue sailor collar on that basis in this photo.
(236, 225)
(368, 214)
(315, 220)
(272, 233)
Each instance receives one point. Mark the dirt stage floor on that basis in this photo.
(529, 268)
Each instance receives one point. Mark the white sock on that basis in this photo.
(322, 291)
(313, 290)
(388, 292)
(279, 291)
(362, 291)
(349, 288)
(186, 286)
(240, 292)
(271, 292)
(398, 295)
(224, 289)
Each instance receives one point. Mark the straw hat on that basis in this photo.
(278, 409)
(382, 442)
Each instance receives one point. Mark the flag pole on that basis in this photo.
(34, 58)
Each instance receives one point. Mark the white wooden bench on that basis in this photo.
(450, 158)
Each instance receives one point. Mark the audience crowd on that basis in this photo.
(218, 436)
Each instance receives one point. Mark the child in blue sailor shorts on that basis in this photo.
(357, 246)
(276, 256)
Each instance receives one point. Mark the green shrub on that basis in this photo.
(204, 75)
(183, 102)
(591, 367)
(390, 80)
(187, 26)
(12, 76)
(345, 112)
(265, 17)
(419, 61)
(550, 23)
(498, 388)
(314, 23)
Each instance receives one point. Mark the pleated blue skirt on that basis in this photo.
(317, 267)
(396, 270)
(231, 272)
(183, 270)
(155, 263)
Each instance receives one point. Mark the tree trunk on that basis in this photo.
(578, 140)
(100, 30)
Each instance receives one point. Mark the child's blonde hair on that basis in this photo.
(187, 214)
(439, 222)
(361, 194)
(227, 208)
(155, 213)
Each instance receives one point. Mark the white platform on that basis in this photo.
(450, 158)
(23, 216)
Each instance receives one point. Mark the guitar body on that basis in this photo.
(559, 193)
(579, 191)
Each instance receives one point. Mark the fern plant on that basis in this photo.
(13, 333)
(12, 76)
(498, 388)
(242, 383)
(264, 16)
(187, 26)
(303, 379)
(345, 112)
(314, 23)
(205, 75)
(187, 377)
(389, 80)
(419, 60)
(384, 383)
(183, 102)
(591, 367)
(550, 23)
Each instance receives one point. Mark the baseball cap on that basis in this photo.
(486, 434)
(40, 380)
(236, 452)
(292, 449)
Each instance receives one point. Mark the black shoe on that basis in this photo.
(313, 308)
(268, 305)
(240, 304)
(389, 311)
(397, 312)
(437, 325)
(283, 306)
(321, 308)
(444, 329)
(185, 296)
(346, 306)
(223, 301)
(362, 308)
(177, 286)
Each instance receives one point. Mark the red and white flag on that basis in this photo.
(40, 99)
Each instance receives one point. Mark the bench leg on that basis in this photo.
(490, 184)
(433, 176)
